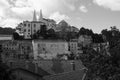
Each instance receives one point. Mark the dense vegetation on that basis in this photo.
(104, 67)
(6, 31)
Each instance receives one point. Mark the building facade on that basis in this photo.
(47, 49)
(28, 28)
(17, 50)
(73, 46)
(84, 40)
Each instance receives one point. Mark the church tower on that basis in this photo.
(40, 16)
(34, 16)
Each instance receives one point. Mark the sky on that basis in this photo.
(92, 14)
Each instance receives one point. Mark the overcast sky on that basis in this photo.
(92, 14)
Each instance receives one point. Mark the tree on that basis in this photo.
(43, 31)
(97, 38)
(101, 66)
(84, 31)
(112, 36)
(107, 34)
(7, 31)
(51, 34)
(16, 36)
(40, 33)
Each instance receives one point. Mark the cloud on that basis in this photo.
(12, 11)
(58, 17)
(9, 22)
(19, 10)
(114, 5)
(83, 9)
(69, 4)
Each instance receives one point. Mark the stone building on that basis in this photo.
(17, 50)
(28, 28)
(49, 49)
(84, 40)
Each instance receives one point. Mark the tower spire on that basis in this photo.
(34, 16)
(40, 16)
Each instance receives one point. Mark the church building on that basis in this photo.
(28, 28)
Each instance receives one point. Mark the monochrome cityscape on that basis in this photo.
(43, 48)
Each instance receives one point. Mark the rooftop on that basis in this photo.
(73, 75)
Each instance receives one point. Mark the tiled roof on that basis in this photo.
(31, 67)
(50, 40)
(73, 75)
(26, 71)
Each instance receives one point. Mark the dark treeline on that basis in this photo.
(7, 31)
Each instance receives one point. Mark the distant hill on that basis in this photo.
(6, 31)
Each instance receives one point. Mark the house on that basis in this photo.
(49, 49)
(73, 46)
(17, 49)
(28, 28)
(84, 40)
(101, 47)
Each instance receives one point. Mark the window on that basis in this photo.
(28, 33)
(28, 25)
(28, 30)
(24, 30)
(24, 24)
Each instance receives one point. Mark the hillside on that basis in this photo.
(6, 31)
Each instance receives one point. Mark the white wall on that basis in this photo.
(49, 49)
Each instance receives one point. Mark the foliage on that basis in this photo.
(40, 33)
(43, 31)
(16, 36)
(7, 31)
(101, 66)
(112, 36)
(97, 38)
(84, 31)
(51, 34)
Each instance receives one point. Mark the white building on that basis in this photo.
(47, 49)
(73, 46)
(28, 28)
